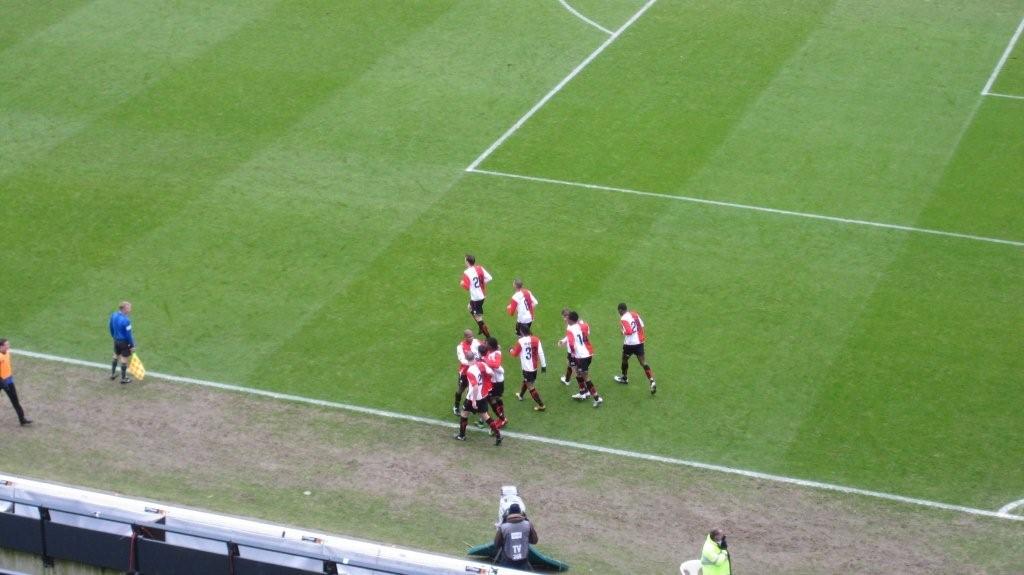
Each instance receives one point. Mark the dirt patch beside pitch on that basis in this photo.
(411, 485)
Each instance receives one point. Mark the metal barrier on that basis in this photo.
(131, 536)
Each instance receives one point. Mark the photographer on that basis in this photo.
(513, 539)
(714, 558)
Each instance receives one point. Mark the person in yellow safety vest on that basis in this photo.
(714, 558)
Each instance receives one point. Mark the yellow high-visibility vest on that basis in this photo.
(713, 559)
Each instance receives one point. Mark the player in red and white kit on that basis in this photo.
(577, 338)
(522, 306)
(633, 344)
(570, 362)
(478, 376)
(493, 360)
(474, 280)
(531, 355)
(466, 353)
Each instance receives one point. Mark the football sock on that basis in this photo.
(536, 397)
(483, 328)
(458, 396)
(462, 425)
(113, 367)
(582, 384)
(568, 374)
(522, 389)
(494, 427)
(592, 389)
(625, 368)
(647, 371)
(499, 409)
(124, 371)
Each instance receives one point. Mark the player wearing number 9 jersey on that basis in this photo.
(577, 337)
(474, 280)
(633, 344)
(531, 354)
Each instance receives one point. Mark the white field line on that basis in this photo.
(1011, 506)
(548, 441)
(584, 18)
(1005, 95)
(750, 207)
(1006, 54)
(558, 87)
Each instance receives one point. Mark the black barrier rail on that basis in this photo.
(152, 543)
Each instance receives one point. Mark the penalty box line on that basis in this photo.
(749, 207)
(549, 441)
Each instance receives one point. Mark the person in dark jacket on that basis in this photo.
(513, 539)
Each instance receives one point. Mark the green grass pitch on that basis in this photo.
(279, 188)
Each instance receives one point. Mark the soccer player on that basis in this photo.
(633, 344)
(476, 400)
(570, 363)
(124, 343)
(521, 306)
(466, 352)
(577, 337)
(531, 354)
(474, 280)
(493, 360)
(7, 381)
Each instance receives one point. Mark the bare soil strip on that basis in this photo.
(412, 485)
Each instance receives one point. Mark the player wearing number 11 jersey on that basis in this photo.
(474, 280)
(522, 306)
(531, 354)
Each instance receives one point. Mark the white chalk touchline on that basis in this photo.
(1011, 506)
(1006, 54)
(1015, 97)
(546, 440)
(749, 207)
(584, 18)
(558, 87)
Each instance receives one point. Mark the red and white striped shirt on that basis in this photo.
(522, 305)
(466, 352)
(493, 361)
(529, 351)
(632, 328)
(475, 279)
(578, 336)
(479, 377)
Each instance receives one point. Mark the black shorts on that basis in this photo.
(497, 390)
(529, 376)
(583, 363)
(523, 328)
(122, 348)
(476, 307)
(481, 406)
(628, 350)
(571, 360)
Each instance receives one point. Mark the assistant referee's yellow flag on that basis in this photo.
(136, 368)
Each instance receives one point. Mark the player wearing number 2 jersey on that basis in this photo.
(633, 344)
(531, 355)
(466, 353)
(476, 402)
(577, 338)
(474, 280)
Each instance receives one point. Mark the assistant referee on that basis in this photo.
(124, 342)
